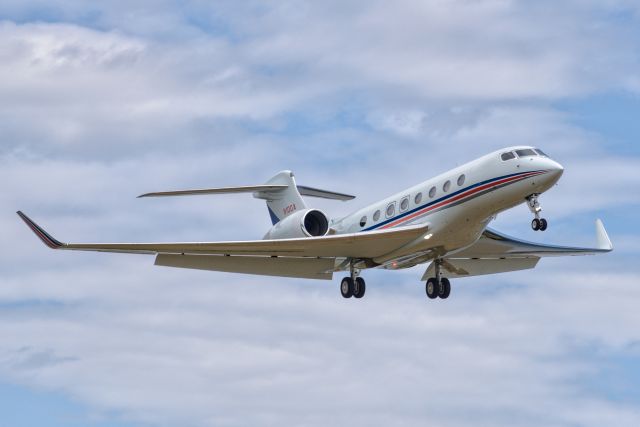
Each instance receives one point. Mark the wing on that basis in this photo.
(493, 244)
(495, 252)
(362, 245)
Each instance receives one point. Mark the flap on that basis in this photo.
(309, 268)
(478, 267)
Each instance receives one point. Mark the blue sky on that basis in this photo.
(612, 115)
(101, 102)
(22, 407)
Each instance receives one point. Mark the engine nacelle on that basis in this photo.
(304, 223)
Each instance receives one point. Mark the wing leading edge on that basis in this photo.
(365, 245)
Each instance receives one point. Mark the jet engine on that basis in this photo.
(304, 223)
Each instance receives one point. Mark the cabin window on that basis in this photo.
(507, 156)
(376, 215)
(526, 153)
(446, 186)
(363, 221)
(391, 209)
(418, 198)
(461, 179)
(432, 192)
(404, 204)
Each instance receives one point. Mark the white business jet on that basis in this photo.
(442, 221)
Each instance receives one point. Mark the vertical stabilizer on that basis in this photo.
(282, 203)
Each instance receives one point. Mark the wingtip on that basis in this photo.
(604, 242)
(46, 238)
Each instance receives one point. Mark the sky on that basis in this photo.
(102, 101)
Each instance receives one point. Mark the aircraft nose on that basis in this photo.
(556, 169)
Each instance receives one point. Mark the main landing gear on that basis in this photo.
(353, 285)
(534, 206)
(438, 286)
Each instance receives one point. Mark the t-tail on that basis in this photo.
(285, 200)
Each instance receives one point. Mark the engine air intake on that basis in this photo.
(315, 223)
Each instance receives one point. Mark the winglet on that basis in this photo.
(46, 238)
(604, 243)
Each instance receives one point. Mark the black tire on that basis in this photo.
(543, 224)
(431, 288)
(535, 224)
(346, 287)
(445, 288)
(359, 287)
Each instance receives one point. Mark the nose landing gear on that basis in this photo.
(539, 224)
(534, 206)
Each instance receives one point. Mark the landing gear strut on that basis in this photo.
(438, 286)
(353, 285)
(534, 206)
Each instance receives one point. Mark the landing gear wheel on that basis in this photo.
(536, 224)
(346, 287)
(534, 206)
(539, 224)
(359, 287)
(444, 289)
(543, 224)
(431, 288)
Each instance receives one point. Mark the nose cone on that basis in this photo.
(555, 169)
(553, 172)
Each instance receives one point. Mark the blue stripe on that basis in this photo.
(402, 215)
(274, 217)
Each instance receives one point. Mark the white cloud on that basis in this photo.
(178, 348)
(120, 87)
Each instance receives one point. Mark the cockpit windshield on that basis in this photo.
(527, 152)
(524, 152)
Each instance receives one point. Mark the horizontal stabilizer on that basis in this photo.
(261, 191)
(219, 190)
(324, 194)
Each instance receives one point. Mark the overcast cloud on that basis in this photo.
(102, 102)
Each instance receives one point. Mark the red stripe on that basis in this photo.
(461, 196)
(42, 236)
